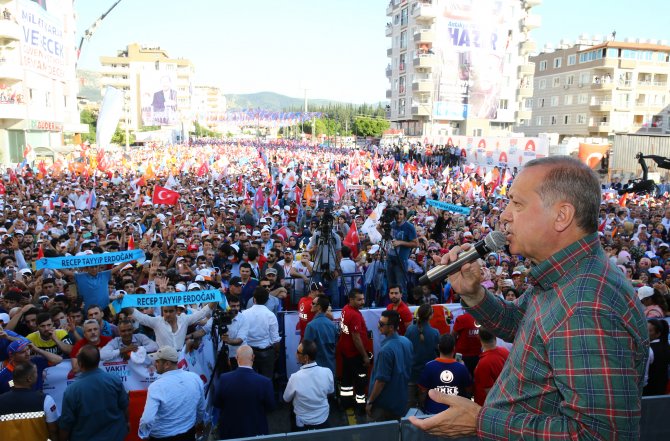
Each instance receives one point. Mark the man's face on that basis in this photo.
(126, 333)
(22, 356)
(358, 301)
(129, 287)
(235, 290)
(265, 235)
(49, 289)
(92, 332)
(400, 217)
(169, 313)
(94, 314)
(45, 329)
(395, 296)
(77, 317)
(528, 223)
(234, 307)
(31, 322)
(384, 328)
(245, 273)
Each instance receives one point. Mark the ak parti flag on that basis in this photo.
(622, 200)
(352, 240)
(149, 173)
(164, 196)
(308, 194)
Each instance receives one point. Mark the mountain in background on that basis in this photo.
(272, 101)
(89, 88)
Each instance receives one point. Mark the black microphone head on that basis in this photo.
(495, 240)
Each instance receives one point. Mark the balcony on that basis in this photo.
(524, 114)
(389, 93)
(424, 36)
(389, 72)
(389, 52)
(527, 47)
(10, 71)
(601, 127)
(532, 21)
(389, 9)
(389, 30)
(424, 12)
(10, 31)
(600, 105)
(525, 92)
(422, 86)
(621, 106)
(421, 109)
(602, 85)
(653, 84)
(13, 111)
(424, 61)
(527, 69)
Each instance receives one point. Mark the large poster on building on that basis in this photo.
(475, 36)
(158, 89)
(42, 38)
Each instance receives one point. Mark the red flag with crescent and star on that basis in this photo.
(164, 196)
(352, 240)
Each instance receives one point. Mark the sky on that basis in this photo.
(325, 49)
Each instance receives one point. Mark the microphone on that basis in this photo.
(492, 242)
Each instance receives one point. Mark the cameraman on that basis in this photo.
(327, 255)
(403, 240)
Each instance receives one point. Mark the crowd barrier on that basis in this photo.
(298, 288)
(653, 428)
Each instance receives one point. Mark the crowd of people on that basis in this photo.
(283, 226)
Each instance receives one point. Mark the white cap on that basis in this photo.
(645, 292)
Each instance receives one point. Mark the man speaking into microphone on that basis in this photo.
(576, 369)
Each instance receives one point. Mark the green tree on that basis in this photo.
(91, 118)
(365, 126)
(119, 137)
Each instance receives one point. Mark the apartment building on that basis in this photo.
(459, 67)
(209, 105)
(158, 89)
(38, 84)
(596, 88)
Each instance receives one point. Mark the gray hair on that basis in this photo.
(568, 179)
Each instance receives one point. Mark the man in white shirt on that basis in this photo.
(237, 331)
(170, 328)
(175, 407)
(262, 334)
(120, 348)
(308, 389)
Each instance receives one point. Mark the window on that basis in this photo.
(528, 103)
(584, 78)
(403, 17)
(47, 99)
(572, 60)
(403, 40)
(503, 104)
(401, 64)
(540, 102)
(554, 101)
(543, 65)
(556, 82)
(477, 132)
(570, 80)
(593, 55)
(553, 120)
(612, 52)
(539, 120)
(396, 19)
(557, 62)
(401, 106)
(583, 98)
(566, 119)
(401, 87)
(567, 100)
(581, 118)
(542, 84)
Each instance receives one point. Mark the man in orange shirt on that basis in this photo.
(395, 296)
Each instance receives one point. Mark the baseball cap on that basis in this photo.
(373, 249)
(4, 318)
(17, 346)
(271, 271)
(180, 287)
(192, 248)
(165, 353)
(645, 292)
(236, 281)
(193, 286)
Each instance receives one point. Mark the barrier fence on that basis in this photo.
(653, 428)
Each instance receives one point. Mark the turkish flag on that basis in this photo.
(164, 196)
(203, 170)
(339, 191)
(352, 240)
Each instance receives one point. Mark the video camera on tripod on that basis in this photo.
(388, 216)
(327, 220)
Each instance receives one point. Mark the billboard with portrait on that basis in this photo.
(475, 36)
(158, 96)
